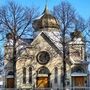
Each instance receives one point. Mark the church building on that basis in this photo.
(40, 61)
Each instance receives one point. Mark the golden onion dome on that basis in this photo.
(9, 35)
(46, 20)
(76, 34)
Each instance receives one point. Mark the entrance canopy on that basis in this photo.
(74, 74)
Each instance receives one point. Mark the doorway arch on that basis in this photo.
(43, 77)
(79, 76)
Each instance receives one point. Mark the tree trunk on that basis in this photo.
(14, 60)
(64, 58)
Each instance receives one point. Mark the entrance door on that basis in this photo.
(79, 81)
(10, 82)
(42, 82)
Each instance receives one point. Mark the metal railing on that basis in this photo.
(68, 88)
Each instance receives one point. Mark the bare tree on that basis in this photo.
(15, 23)
(65, 13)
(1, 63)
(80, 23)
(84, 27)
(87, 38)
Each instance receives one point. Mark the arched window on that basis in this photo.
(30, 74)
(24, 75)
(78, 69)
(10, 73)
(43, 70)
(56, 75)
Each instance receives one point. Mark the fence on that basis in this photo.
(68, 88)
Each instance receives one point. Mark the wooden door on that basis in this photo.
(42, 82)
(79, 81)
(10, 82)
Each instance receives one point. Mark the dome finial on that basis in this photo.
(46, 2)
(46, 8)
(46, 20)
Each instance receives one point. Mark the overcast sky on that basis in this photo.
(82, 6)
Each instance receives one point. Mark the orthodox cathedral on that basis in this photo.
(40, 61)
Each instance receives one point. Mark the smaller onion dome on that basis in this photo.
(46, 20)
(76, 34)
(9, 36)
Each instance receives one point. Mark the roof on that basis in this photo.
(76, 34)
(53, 38)
(77, 41)
(46, 20)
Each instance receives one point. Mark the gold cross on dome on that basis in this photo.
(46, 2)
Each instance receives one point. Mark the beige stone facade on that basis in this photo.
(39, 63)
(55, 61)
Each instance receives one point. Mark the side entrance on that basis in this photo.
(10, 82)
(79, 81)
(42, 82)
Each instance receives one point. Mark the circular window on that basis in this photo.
(43, 57)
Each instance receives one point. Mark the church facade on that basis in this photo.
(39, 64)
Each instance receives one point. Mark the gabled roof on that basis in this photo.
(53, 39)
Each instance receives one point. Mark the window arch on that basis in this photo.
(43, 70)
(24, 75)
(78, 69)
(10, 73)
(30, 74)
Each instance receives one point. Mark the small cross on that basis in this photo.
(46, 2)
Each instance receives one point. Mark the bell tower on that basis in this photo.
(79, 67)
(77, 47)
(9, 74)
